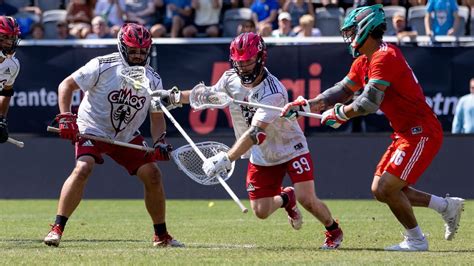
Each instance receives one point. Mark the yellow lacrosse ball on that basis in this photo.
(211, 204)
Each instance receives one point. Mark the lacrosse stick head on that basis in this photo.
(203, 97)
(136, 77)
(191, 164)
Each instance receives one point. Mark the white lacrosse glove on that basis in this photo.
(217, 164)
(290, 110)
(169, 98)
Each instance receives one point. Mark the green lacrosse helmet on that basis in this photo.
(360, 23)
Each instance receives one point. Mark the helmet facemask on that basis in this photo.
(8, 45)
(248, 76)
(247, 50)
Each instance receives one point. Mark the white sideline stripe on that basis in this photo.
(221, 246)
(414, 158)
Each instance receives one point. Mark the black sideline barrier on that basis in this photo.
(344, 165)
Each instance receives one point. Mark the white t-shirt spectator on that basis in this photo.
(109, 12)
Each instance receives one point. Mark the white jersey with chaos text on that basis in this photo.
(111, 107)
(9, 70)
(285, 139)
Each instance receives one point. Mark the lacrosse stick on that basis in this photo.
(189, 161)
(109, 141)
(202, 157)
(203, 97)
(136, 76)
(18, 143)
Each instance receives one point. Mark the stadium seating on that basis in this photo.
(232, 18)
(50, 18)
(18, 3)
(329, 20)
(416, 19)
(46, 5)
(464, 16)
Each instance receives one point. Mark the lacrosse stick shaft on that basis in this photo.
(18, 143)
(270, 107)
(201, 155)
(110, 141)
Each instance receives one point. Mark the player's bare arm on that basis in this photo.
(65, 90)
(255, 135)
(157, 125)
(5, 100)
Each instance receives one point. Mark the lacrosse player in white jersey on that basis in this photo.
(9, 68)
(114, 109)
(277, 146)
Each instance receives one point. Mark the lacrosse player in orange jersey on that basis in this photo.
(388, 83)
(115, 109)
(9, 68)
(277, 146)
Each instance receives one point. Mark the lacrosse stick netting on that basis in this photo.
(203, 97)
(136, 76)
(201, 156)
(191, 163)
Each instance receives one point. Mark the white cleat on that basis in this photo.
(451, 216)
(410, 244)
(54, 236)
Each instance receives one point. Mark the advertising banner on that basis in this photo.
(305, 69)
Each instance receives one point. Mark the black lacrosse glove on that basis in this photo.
(3, 129)
(162, 149)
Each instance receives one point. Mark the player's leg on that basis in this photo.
(264, 189)
(388, 189)
(300, 170)
(71, 195)
(141, 164)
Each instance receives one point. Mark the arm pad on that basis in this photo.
(337, 94)
(257, 135)
(369, 101)
(7, 93)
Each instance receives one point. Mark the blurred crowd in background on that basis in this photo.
(92, 19)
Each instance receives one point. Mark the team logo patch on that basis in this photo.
(7, 71)
(87, 143)
(125, 106)
(250, 187)
(298, 146)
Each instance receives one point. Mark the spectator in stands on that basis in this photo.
(206, 18)
(62, 30)
(36, 31)
(306, 27)
(265, 11)
(79, 16)
(159, 29)
(112, 11)
(140, 12)
(401, 29)
(298, 8)
(7, 9)
(284, 26)
(178, 15)
(100, 30)
(246, 26)
(265, 29)
(463, 122)
(442, 18)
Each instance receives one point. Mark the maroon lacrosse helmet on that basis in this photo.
(245, 47)
(9, 36)
(132, 35)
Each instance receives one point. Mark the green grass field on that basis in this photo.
(119, 232)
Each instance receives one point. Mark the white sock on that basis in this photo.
(438, 204)
(415, 232)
